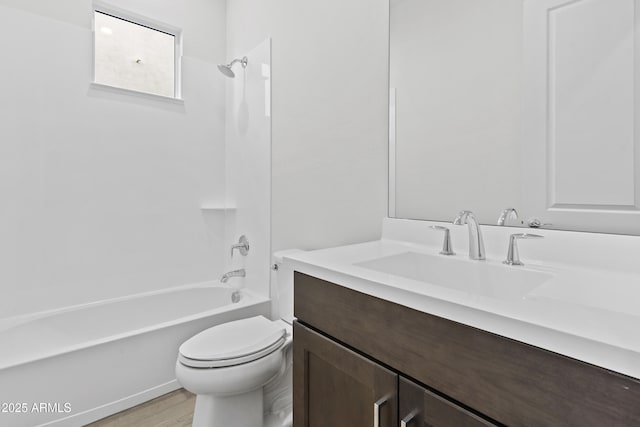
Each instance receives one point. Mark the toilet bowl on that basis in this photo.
(229, 365)
(226, 367)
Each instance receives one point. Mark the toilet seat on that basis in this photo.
(221, 363)
(233, 343)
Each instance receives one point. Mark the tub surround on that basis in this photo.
(583, 309)
(73, 231)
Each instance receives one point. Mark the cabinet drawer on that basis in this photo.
(420, 407)
(439, 412)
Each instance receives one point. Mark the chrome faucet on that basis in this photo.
(234, 273)
(476, 244)
(506, 214)
(447, 249)
(513, 257)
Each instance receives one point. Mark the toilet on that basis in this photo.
(240, 371)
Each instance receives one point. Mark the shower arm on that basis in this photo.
(242, 60)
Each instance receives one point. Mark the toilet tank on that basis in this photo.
(282, 287)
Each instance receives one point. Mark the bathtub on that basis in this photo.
(75, 365)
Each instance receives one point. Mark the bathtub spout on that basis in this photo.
(236, 297)
(234, 273)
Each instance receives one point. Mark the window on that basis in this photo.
(134, 53)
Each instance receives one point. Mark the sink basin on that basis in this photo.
(472, 277)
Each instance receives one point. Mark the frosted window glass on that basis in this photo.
(133, 56)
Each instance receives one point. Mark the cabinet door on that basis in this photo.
(334, 386)
(421, 408)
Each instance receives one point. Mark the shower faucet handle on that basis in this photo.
(242, 246)
(447, 249)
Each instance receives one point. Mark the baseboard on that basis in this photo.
(97, 413)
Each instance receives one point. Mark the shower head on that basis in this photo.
(226, 69)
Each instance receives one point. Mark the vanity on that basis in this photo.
(494, 106)
(524, 107)
(380, 342)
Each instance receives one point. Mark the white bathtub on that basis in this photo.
(72, 366)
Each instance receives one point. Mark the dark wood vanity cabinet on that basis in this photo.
(336, 387)
(352, 350)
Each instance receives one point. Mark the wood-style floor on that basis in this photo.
(171, 410)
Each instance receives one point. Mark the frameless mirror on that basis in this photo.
(519, 104)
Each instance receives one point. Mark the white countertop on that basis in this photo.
(590, 312)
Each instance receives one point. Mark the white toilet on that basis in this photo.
(229, 365)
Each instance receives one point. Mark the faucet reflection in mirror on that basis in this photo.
(506, 214)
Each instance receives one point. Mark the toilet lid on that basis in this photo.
(233, 343)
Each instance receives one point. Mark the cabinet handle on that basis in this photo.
(406, 420)
(376, 410)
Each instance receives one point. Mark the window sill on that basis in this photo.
(128, 92)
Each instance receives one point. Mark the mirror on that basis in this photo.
(519, 104)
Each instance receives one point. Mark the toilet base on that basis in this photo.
(222, 411)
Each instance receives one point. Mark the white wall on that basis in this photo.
(100, 193)
(202, 20)
(329, 114)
